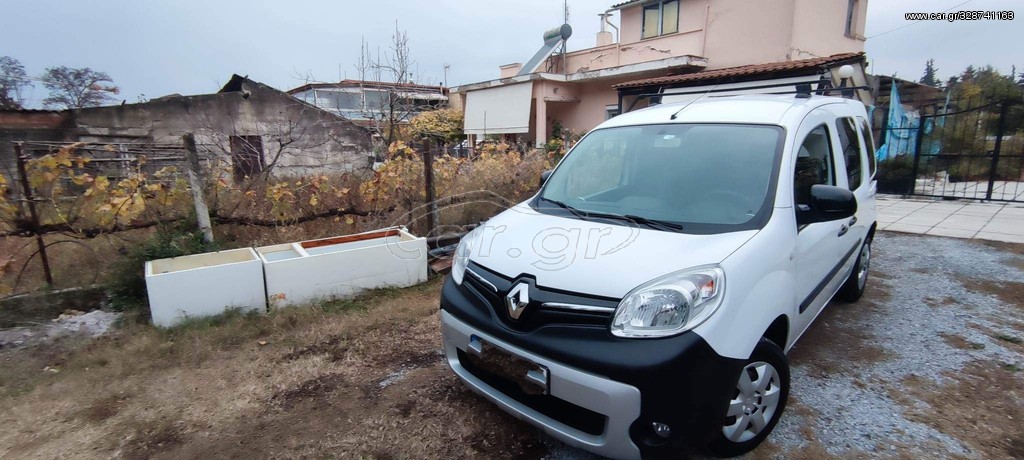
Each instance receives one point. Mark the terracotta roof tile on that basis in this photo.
(620, 5)
(743, 71)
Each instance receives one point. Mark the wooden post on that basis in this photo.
(26, 190)
(428, 179)
(196, 184)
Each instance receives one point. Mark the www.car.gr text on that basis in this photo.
(952, 16)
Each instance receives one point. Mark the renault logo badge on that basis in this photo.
(517, 300)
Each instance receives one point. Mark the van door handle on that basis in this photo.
(853, 221)
(842, 230)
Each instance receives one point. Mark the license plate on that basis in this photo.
(531, 377)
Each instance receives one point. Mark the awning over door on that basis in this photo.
(501, 110)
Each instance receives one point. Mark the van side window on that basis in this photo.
(813, 165)
(850, 147)
(869, 145)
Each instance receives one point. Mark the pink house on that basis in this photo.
(665, 46)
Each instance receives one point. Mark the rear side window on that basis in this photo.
(850, 147)
(869, 144)
(813, 165)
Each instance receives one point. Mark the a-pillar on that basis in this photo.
(541, 122)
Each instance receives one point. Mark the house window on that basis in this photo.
(246, 156)
(851, 17)
(661, 18)
(611, 111)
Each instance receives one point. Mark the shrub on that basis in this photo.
(127, 287)
(497, 169)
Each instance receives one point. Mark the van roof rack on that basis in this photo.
(803, 90)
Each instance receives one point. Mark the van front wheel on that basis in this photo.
(757, 403)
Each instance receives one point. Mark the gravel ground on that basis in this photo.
(910, 271)
(92, 324)
(863, 375)
(928, 364)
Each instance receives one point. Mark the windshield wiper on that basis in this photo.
(654, 223)
(578, 212)
(639, 220)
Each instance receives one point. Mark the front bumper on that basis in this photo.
(620, 403)
(627, 383)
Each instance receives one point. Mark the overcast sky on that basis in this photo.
(159, 47)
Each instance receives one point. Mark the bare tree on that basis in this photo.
(13, 80)
(72, 88)
(390, 103)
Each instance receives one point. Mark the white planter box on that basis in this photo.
(330, 268)
(204, 284)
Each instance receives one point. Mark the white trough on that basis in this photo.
(204, 284)
(331, 268)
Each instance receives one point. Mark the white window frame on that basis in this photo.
(852, 9)
(611, 111)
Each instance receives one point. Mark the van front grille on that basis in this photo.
(546, 306)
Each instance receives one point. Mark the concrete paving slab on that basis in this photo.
(1000, 237)
(960, 219)
(962, 224)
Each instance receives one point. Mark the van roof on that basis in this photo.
(753, 108)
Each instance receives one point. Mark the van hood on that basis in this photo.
(596, 257)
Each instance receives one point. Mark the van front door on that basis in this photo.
(820, 252)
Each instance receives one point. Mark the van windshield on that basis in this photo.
(701, 178)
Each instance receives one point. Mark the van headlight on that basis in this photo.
(671, 304)
(462, 252)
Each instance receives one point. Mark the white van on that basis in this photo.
(643, 302)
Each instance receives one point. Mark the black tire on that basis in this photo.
(853, 288)
(765, 352)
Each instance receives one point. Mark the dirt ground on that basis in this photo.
(359, 378)
(927, 364)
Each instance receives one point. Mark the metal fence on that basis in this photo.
(971, 153)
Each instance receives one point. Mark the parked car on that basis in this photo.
(642, 303)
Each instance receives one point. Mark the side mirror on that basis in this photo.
(544, 177)
(828, 203)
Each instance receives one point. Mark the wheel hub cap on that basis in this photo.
(865, 263)
(754, 404)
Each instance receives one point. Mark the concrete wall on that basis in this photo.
(729, 33)
(298, 138)
(822, 27)
(28, 126)
(589, 111)
(633, 49)
(741, 34)
(732, 33)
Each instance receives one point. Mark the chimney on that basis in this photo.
(510, 70)
(604, 37)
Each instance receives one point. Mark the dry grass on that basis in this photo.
(960, 342)
(838, 343)
(980, 405)
(1011, 292)
(357, 378)
(946, 301)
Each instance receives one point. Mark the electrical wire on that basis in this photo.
(915, 22)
